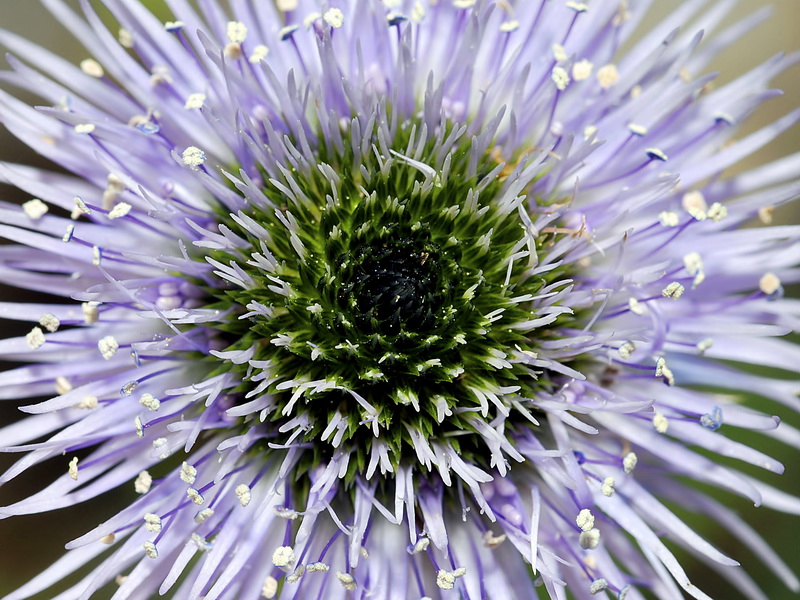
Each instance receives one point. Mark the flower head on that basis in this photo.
(392, 299)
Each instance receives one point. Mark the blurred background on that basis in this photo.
(30, 543)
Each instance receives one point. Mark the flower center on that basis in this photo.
(397, 286)
(379, 300)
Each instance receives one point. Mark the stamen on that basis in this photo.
(35, 209)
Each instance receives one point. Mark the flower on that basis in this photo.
(394, 299)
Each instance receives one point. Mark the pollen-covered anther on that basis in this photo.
(656, 154)
(296, 574)
(662, 370)
(150, 549)
(673, 290)
(579, 7)
(607, 487)
(765, 214)
(73, 468)
(421, 546)
(142, 483)
(694, 203)
(589, 540)
(67, 237)
(717, 212)
(269, 589)
(668, 218)
(636, 307)
(607, 76)
(243, 493)
(195, 496)
(237, 32)
(769, 284)
(446, 580)
(138, 426)
(285, 513)
(35, 338)
(660, 422)
(119, 210)
(152, 522)
(108, 346)
(258, 54)
(173, 26)
(509, 26)
(188, 473)
(150, 402)
(582, 70)
(597, 586)
(585, 519)
(284, 558)
(194, 101)
(84, 128)
(50, 322)
(63, 385)
(92, 68)
(91, 313)
(193, 156)
(80, 208)
(626, 349)
(491, 540)
(464, 3)
(560, 77)
(108, 539)
(348, 581)
(125, 38)
(203, 515)
(317, 567)
(637, 130)
(35, 209)
(704, 345)
(559, 53)
(629, 462)
(334, 17)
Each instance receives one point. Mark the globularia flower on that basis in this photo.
(394, 300)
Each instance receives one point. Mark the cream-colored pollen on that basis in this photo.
(92, 68)
(607, 76)
(560, 78)
(73, 468)
(35, 209)
(607, 488)
(193, 156)
(334, 17)
(84, 128)
(559, 53)
(150, 549)
(152, 522)
(283, 557)
(269, 589)
(35, 338)
(585, 519)
(119, 210)
(194, 101)
(188, 473)
(589, 540)
(582, 70)
(673, 290)
(91, 314)
(63, 385)
(50, 322)
(769, 283)
(237, 32)
(660, 422)
(258, 54)
(243, 493)
(629, 462)
(125, 38)
(668, 218)
(143, 483)
(108, 346)
(445, 580)
(694, 203)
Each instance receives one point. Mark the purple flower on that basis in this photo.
(396, 299)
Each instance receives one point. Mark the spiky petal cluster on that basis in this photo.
(393, 297)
